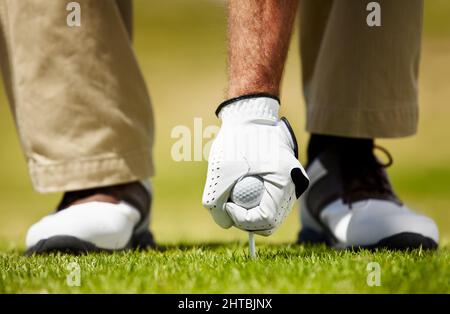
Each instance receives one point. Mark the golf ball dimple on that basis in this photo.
(248, 192)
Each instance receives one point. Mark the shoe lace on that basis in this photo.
(364, 176)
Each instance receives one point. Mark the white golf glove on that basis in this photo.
(253, 141)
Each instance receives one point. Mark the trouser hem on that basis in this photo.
(400, 121)
(98, 171)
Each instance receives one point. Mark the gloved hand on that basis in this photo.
(253, 141)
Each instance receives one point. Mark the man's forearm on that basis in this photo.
(259, 33)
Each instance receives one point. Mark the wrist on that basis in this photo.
(250, 87)
(252, 106)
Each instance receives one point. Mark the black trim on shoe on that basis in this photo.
(324, 190)
(63, 243)
(74, 245)
(348, 180)
(134, 193)
(398, 242)
(310, 236)
(247, 96)
(404, 241)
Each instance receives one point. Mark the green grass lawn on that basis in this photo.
(227, 268)
(180, 46)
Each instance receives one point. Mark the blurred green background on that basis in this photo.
(181, 49)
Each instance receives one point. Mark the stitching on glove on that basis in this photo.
(214, 174)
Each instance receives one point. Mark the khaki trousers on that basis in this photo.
(82, 108)
(360, 81)
(80, 102)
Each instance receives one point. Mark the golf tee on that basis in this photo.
(251, 244)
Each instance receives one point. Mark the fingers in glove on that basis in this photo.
(222, 176)
(257, 219)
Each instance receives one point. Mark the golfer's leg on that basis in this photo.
(126, 12)
(85, 121)
(259, 33)
(5, 58)
(313, 23)
(360, 83)
(364, 82)
(81, 104)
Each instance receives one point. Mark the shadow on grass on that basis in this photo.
(266, 251)
(285, 250)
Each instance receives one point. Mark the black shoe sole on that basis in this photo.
(73, 245)
(400, 241)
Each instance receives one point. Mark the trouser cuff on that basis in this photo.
(104, 170)
(385, 122)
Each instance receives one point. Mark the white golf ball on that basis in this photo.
(248, 192)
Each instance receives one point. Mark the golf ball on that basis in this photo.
(248, 192)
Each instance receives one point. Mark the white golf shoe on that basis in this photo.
(350, 204)
(119, 220)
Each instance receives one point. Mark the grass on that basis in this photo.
(181, 50)
(227, 268)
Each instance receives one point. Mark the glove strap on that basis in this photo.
(244, 97)
(255, 106)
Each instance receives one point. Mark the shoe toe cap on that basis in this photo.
(105, 225)
(378, 220)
